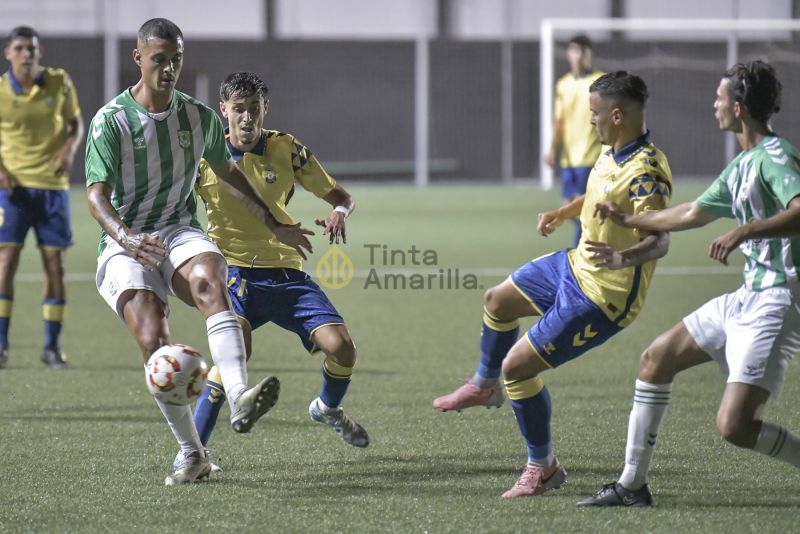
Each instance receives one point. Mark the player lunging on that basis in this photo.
(584, 295)
(142, 156)
(751, 333)
(265, 278)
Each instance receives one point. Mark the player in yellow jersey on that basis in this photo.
(583, 295)
(265, 278)
(573, 134)
(40, 129)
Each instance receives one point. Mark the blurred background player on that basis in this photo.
(40, 130)
(142, 158)
(265, 278)
(584, 295)
(573, 134)
(751, 333)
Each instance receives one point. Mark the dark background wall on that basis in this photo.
(352, 102)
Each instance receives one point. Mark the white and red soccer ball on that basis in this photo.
(176, 374)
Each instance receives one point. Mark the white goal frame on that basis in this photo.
(728, 30)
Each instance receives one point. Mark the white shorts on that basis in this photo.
(118, 272)
(751, 334)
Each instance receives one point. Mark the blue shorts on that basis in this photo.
(571, 324)
(46, 210)
(287, 297)
(573, 181)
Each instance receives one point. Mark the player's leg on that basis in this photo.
(9, 260)
(15, 220)
(52, 224)
(528, 291)
(200, 280)
(53, 306)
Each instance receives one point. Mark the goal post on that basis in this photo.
(730, 32)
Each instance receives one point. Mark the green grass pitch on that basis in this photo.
(86, 449)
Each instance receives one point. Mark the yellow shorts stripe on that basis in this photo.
(5, 307)
(53, 312)
(497, 324)
(536, 352)
(336, 370)
(536, 308)
(524, 389)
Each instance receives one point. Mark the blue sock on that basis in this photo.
(497, 338)
(207, 410)
(53, 315)
(532, 411)
(5, 318)
(335, 381)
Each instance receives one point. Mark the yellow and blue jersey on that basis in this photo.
(275, 164)
(580, 145)
(638, 179)
(32, 126)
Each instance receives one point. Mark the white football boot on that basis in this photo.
(351, 432)
(193, 467)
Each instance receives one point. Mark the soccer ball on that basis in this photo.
(176, 374)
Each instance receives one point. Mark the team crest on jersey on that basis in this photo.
(184, 138)
(139, 142)
(271, 177)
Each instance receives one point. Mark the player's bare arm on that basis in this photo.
(63, 158)
(147, 249)
(651, 247)
(550, 220)
(555, 143)
(237, 184)
(681, 217)
(785, 224)
(343, 205)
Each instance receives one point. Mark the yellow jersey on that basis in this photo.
(275, 164)
(580, 145)
(32, 126)
(638, 179)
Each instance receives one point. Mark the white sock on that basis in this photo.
(650, 403)
(228, 352)
(777, 442)
(182, 425)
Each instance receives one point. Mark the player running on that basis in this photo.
(584, 295)
(751, 333)
(142, 155)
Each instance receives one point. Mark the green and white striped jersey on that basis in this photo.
(758, 184)
(150, 160)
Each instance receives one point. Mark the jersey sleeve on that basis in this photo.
(649, 192)
(558, 108)
(102, 151)
(308, 171)
(783, 179)
(216, 150)
(717, 199)
(71, 107)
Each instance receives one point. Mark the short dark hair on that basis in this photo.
(580, 39)
(621, 86)
(242, 84)
(22, 32)
(160, 29)
(756, 85)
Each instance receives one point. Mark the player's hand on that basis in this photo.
(604, 256)
(62, 161)
(609, 210)
(550, 159)
(7, 182)
(147, 249)
(334, 227)
(548, 222)
(294, 235)
(722, 246)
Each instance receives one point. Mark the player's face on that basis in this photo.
(604, 117)
(160, 61)
(24, 54)
(579, 58)
(725, 107)
(245, 116)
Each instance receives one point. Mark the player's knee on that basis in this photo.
(341, 348)
(517, 365)
(493, 302)
(653, 364)
(207, 285)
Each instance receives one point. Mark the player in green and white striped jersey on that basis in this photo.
(142, 156)
(753, 332)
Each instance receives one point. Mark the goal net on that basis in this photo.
(682, 62)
